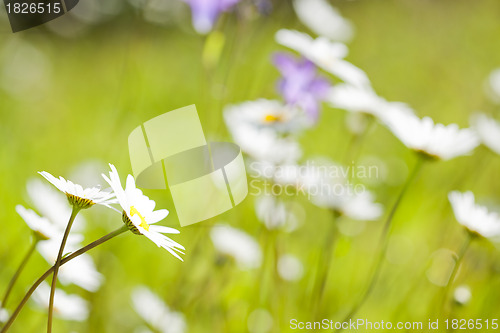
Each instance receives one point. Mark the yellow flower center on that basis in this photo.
(143, 224)
(270, 118)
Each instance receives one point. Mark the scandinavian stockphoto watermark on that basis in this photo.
(310, 179)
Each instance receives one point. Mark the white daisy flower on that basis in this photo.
(435, 141)
(81, 271)
(475, 218)
(493, 86)
(50, 204)
(139, 215)
(275, 213)
(77, 195)
(488, 130)
(355, 99)
(40, 225)
(462, 294)
(156, 313)
(290, 268)
(325, 54)
(4, 315)
(328, 188)
(323, 19)
(238, 245)
(68, 307)
(264, 113)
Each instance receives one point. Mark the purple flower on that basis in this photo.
(300, 84)
(206, 12)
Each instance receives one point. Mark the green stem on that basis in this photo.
(74, 212)
(50, 270)
(383, 242)
(324, 265)
(18, 273)
(460, 256)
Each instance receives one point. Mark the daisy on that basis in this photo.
(475, 218)
(274, 213)
(493, 86)
(50, 204)
(488, 130)
(327, 188)
(68, 307)
(266, 145)
(40, 225)
(323, 19)
(77, 195)
(238, 245)
(290, 268)
(434, 141)
(325, 54)
(264, 113)
(139, 215)
(156, 313)
(81, 272)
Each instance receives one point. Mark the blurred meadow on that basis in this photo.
(72, 90)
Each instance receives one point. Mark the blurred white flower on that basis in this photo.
(4, 315)
(40, 225)
(325, 54)
(323, 19)
(475, 218)
(290, 268)
(68, 307)
(435, 141)
(355, 99)
(77, 195)
(238, 245)
(264, 113)
(139, 214)
(81, 271)
(50, 204)
(274, 213)
(156, 313)
(492, 86)
(328, 188)
(462, 294)
(260, 321)
(488, 130)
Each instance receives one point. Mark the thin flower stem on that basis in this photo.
(18, 273)
(324, 265)
(50, 270)
(460, 256)
(383, 242)
(74, 212)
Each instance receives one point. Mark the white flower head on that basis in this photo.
(156, 313)
(327, 187)
(40, 225)
(275, 213)
(290, 268)
(50, 204)
(323, 19)
(434, 141)
(68, 307)
(4, 315)
(488, 130)
(462, 294)
(77, 195)
(326, 54)
(238, 245)
(492, 86)
(139, 214)
(264, 113)
(81, 271)
(475, 218)
(355, 99)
